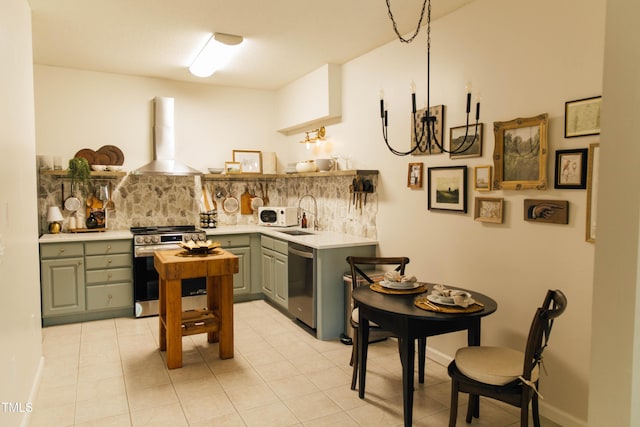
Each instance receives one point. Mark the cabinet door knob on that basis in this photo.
(61, 250)
(109, 261)
(108, 275)
(108, 247)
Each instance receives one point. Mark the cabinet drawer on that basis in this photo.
(281, 246)
(108, 247)
(108, 261)
(109, 275)
(266, 242)
(233, 240)
(116, 295)
(61, 250)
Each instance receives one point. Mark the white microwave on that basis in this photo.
(277, 216)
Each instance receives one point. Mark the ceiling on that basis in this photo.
(284, 39)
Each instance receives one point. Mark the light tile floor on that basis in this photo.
(111, 373)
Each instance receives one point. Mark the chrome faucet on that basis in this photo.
(315, 209)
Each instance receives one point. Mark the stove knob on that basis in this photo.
(194, 237)
(155, 239)
(202, 237)
(147, 239)
(139, 239)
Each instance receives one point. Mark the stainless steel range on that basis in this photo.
(147, 240)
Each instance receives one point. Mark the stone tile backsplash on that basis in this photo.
(169, 200)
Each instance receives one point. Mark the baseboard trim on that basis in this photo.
(547, 411)
(33, 393)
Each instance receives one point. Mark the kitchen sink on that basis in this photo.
(295, 232)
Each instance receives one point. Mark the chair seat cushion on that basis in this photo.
(492, 365)
(355, 317)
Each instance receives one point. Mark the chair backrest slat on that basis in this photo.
(358, 267)
(553, 306)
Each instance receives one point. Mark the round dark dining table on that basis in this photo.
(398, 314)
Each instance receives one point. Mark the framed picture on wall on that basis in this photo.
(592, 190)
(414, 175)
(465, 142)
(571, 168)
(582, 117)
(488, 209)
(448, 188)
(520, 153)
(482, 178)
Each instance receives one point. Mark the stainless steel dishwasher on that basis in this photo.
(302, 286)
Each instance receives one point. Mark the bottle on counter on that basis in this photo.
(304, 220)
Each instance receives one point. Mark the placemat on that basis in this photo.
(425, 304)
(377, 287)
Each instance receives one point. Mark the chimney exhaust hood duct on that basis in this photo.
(164, 162)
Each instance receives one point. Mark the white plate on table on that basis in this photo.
(438, 299)
(399, 285)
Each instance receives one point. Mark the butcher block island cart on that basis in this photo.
(216, 319)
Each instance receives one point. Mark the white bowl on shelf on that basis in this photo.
(215, 170)
(100, 168)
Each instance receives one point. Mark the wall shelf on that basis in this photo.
(94, 174)
(272, 177)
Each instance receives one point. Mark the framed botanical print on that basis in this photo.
(520, 153)
(582, 117)
(448, 188)
(571, 168)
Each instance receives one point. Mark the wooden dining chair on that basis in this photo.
(505, 374)
(361, 269)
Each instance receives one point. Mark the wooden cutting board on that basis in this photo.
(245, 203)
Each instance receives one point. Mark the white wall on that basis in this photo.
(525, 58)
(79, 109)
(20, 351)
(615, 375)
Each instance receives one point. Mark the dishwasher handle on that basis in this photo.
(302, 253)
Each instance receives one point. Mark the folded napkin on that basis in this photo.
(395, 276)
(458, 297)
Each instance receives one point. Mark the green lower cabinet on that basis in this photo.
(242, 279)
(63, 287)
(84, 281)
(275, 270)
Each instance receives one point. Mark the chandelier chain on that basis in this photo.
(395, 26)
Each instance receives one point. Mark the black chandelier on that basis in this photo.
(424, 127)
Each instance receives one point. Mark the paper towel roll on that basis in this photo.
(163, 111)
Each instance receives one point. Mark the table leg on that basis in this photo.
(213, 303)
(226, 316)
(162, 314)
(407, 356)
(173, 301)
(363, 348)
(473, 339)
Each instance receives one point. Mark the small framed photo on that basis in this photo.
(520, 153)
(488, 209)
(582, 117)
(482, 178)
(414, 175)
(469, 146)
(232, 167)
(571, 168)
(251, 161)
(554, 211)
(448, 188)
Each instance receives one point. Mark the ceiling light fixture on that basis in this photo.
(424, 133)
(215, 54)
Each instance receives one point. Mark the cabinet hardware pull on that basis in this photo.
(61, 250)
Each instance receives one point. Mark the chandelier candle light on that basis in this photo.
(425, 133)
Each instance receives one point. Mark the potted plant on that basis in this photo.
(79, 171)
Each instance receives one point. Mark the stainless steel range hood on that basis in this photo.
(164, 162)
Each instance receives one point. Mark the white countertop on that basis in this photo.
(84, 237)
(316, 240)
